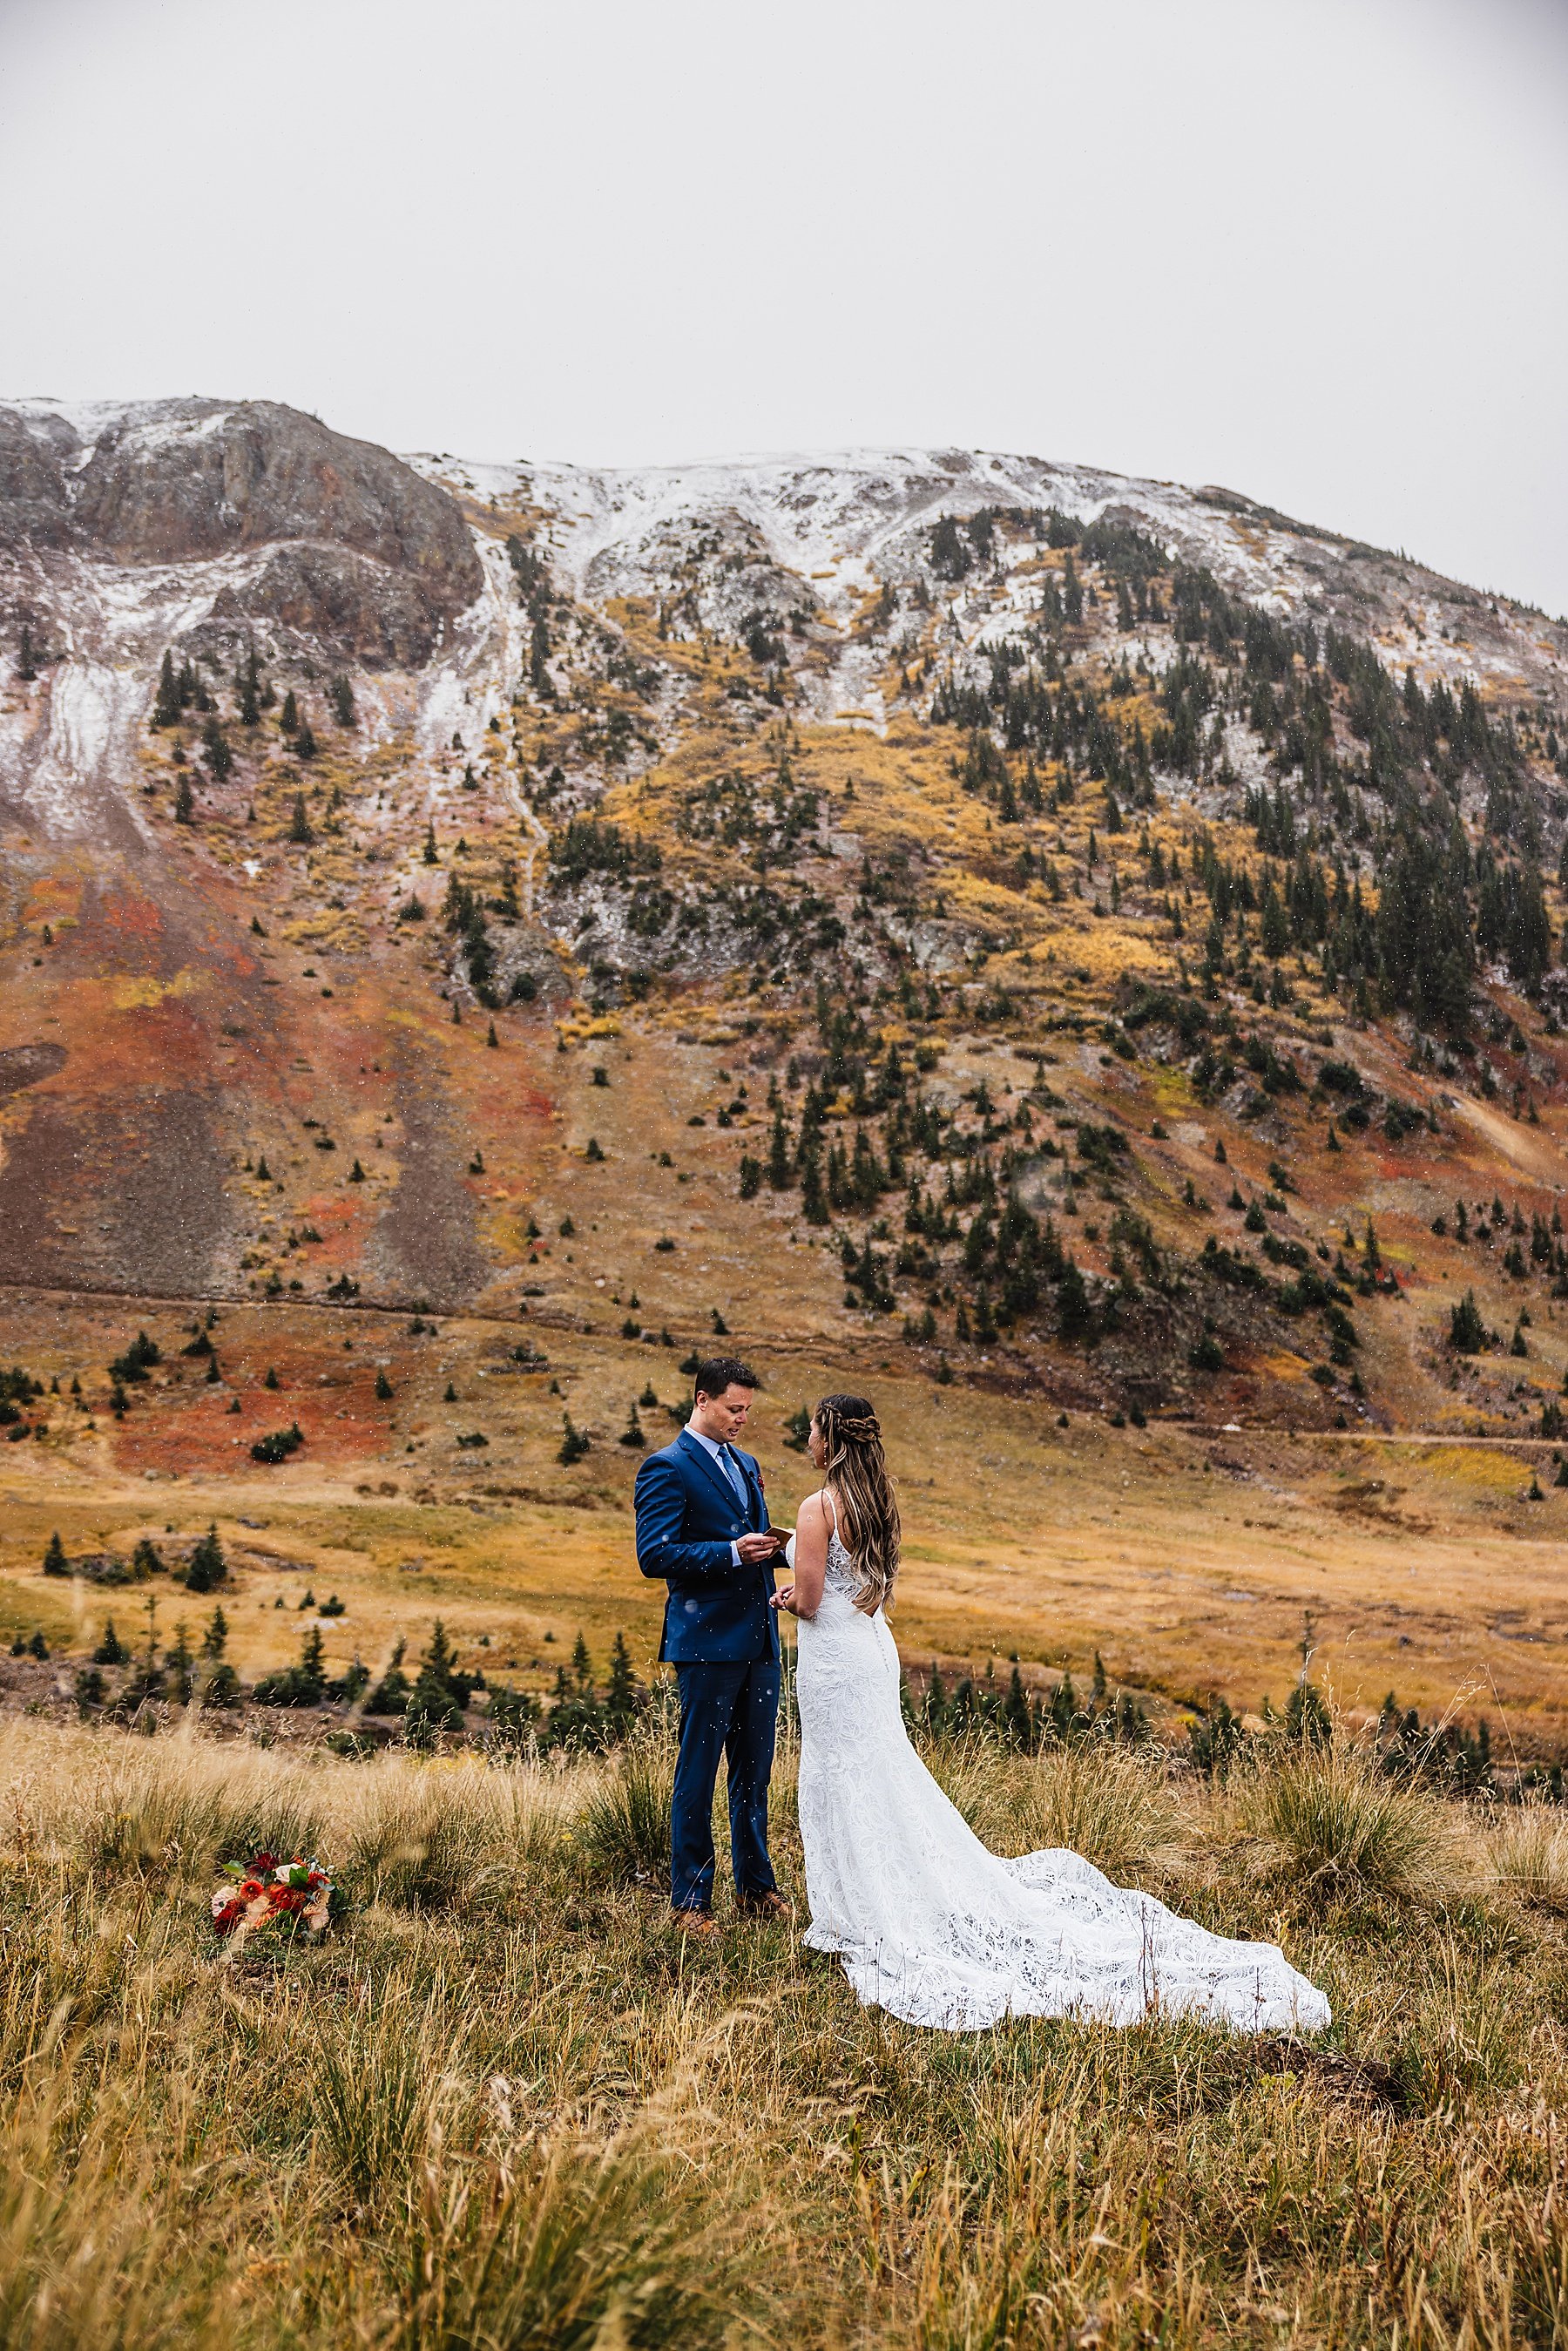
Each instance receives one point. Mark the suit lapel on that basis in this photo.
(701, 1454)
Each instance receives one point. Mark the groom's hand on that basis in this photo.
(755, 1548)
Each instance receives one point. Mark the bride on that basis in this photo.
(929, 1923)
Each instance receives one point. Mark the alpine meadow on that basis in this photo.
(1078, 959)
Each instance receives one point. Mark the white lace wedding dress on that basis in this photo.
(937, 1930)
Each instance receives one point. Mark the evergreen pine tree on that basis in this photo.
(299, 823)
(1467, 1332)
(178, 1662)
(778, 1169)
(288, 721)
(621, 1691)
(813, 1198)
(166, 705)
(219, 758)
(111, 1650)
(439, 1694)
(391, 1694)
(312, 1666)
(215, 1639)
(208, 1567)
(184, 801)
(55, 1560)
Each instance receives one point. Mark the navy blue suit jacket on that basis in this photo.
(688, 1515)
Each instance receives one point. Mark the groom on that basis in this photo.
(703, 1526)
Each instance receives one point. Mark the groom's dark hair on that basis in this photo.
(721, 1372)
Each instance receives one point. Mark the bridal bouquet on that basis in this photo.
(279, 1899)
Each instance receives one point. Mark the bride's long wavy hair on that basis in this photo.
(856, 1470)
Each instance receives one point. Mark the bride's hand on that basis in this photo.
(784, 1598)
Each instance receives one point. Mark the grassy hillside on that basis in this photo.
(504, 2107)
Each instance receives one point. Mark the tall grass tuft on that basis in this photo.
(1105, 1802)
(1529, 1855)
(1340, 1826)
(573, 2250)
(374, 2085)
(1102, 1802)
(433, 1836)
(623, 1828)
(176, 1802)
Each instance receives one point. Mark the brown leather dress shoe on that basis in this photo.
(771, 1905)
(700, 1924)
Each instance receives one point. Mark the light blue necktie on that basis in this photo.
(733, 1469)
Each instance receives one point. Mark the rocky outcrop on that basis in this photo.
(34, 509)
(347, 607)
(370, 559)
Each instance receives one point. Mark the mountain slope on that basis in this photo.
(1030, 935)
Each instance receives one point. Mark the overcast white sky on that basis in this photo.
(1314, 249)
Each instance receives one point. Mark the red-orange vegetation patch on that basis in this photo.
(222, 944)
(196, 1432)
(147, 1045)
(512, 1098)
(342, 1219)
(132, 914)
(55, 897)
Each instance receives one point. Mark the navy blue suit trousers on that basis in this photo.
(729, 1708)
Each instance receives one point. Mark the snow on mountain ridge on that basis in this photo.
(823, 511)
(844, 520)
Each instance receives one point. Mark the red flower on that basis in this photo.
(252, 1890)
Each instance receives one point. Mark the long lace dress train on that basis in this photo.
(938, 1930)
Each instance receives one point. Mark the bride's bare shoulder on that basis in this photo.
(812, 1511)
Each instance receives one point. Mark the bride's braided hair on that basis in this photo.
(857, 1471)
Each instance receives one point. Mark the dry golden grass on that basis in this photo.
(503, 2108)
